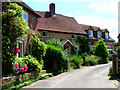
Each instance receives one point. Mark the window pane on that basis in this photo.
(25, 16)
(90, 33)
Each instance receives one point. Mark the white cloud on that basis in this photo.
(94, 20)
(77, 12)
(111, 6)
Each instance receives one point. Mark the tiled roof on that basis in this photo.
(58, 23)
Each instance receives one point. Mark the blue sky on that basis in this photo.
(102, 13)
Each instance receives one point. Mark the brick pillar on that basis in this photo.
(114, 64)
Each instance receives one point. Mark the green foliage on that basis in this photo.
(38, 48)
(55, 59)
(110, 72)
(13, 27)
(101, 51)
(84, 54)
(84, 44)
(32, 63)
(91, 60)
(76, 60)
(50, 74)
(118, 51)
(55, 42)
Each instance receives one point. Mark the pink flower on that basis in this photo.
(17, 67)
(25, 67)
(17, 50)
(21, 69)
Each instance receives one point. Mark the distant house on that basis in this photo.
(52, 25)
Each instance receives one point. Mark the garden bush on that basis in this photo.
(91, 60)
(32, 63)
(55, 59)
(38, 48)
(76, 60)
(101, 51)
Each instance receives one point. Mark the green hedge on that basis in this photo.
(55, 59)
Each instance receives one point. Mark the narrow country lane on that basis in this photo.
(86, 77)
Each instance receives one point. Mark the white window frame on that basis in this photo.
(90, 32)
(107, 36)
(27, 15)
(74, 36)
(46, 34)
(20, 41)
(99, 34)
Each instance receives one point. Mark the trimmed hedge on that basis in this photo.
(55, 59)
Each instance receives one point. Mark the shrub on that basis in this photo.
(110, 72)
(55, 59)
(76, 60)
(118, 51)
(91, 60)
(32, 63)
(101, 51)
(55, 42)
(38, 48)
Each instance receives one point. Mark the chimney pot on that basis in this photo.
(52, 8)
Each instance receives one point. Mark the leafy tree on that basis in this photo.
(84, 44)
(13, 27)
(101, 51)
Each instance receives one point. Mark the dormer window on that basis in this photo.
(90, 33)
(45, 34)
(106, 35)
(99, 34)
(74, 36)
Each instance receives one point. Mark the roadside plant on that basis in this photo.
(77, 61)
(101, 51)
(91, 60)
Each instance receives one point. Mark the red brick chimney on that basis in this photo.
(52, 8)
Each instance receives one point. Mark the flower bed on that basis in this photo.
(7, 82)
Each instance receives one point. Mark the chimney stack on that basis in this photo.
(52, 8)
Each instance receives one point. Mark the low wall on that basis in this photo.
(7, 82)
